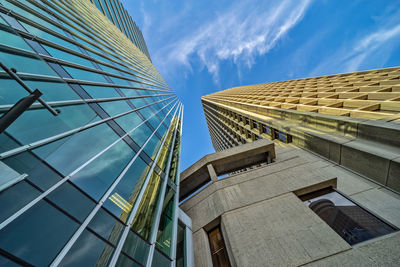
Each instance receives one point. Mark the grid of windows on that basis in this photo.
(229, 129)
(80, 181)
(117, 14)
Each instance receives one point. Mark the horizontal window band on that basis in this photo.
(26, 20)
(38, 77)
(4, 108)
(65, 134)
(23, 52)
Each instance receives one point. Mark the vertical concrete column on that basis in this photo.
(189, 247)
(212, 173)
(201, 246)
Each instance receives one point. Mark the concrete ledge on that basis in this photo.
(226, 161)
(383, 251)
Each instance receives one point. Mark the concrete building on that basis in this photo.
(89, 141)
(262, 214)
(313, 171)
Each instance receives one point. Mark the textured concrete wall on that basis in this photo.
(265, 224)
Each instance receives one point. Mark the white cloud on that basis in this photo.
(247, 29)
(369, 44)
(374, 46)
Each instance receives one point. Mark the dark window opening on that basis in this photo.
(353, 223)
(219, 254)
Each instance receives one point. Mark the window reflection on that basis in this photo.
(44, 231)
(351, 222)
(145, 215)
(219, 254)
(88, 250)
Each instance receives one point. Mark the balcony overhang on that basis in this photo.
(213, 165)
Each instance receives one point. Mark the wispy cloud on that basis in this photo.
(368, 45)
(244, 31)
(373, 46)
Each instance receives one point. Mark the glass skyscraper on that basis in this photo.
(89, 173)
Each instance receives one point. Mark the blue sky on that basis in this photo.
(201, 47)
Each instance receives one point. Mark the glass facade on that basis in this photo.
(97, 183)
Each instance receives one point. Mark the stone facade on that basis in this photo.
(264, 223)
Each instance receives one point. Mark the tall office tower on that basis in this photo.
(90, 141)
(117, 14)
(352, 119)
(318, 188)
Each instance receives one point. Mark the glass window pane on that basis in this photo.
(128, 122)
(124, 261)
(37, 124)
(88, 250)
(100, 91)
(11, 39)
(152, 146)
(54, 91)
(36, 236)
(141, 134)
(96, 177)
(160, 260)
(107, 226)
(136, 247)
(4, 262)
(38, 172)
(164, 233)
(218, 250)
(180, 246)
(24, 64)
(144, 218)
(85, 75)
(72, 201)
(351, 222)
(57, 53)
(127, 190)
(115, 107)
(79, 148)
(16, 197)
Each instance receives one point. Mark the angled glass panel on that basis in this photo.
(136, 247)
(79, 148)
(144, 218)
(115, 107)
(106, 226)
(11, 39)
(15, 197)
(152, 146)
(70, 199)
(141, 134)
(97, 177)
(85, 75)
(100, 91)
(88, 250)
(57, 53)
(35, 236)
(37, 124)
(124, 261)
(124, 195)
(159, 259)
(130, 121)
(38, 172)
(25, 64)
(164, 233)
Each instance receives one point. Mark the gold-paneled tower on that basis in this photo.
(352, 119)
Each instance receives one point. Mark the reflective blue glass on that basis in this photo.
(96, 177)
(88, 250)
(78, 149)
(40, 229)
